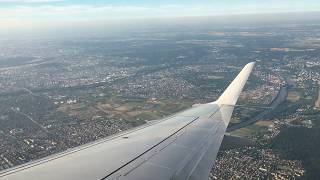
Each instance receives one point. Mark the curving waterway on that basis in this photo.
(280, 98)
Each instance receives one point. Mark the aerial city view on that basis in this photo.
(62, 91)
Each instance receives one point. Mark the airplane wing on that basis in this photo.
(182, 146)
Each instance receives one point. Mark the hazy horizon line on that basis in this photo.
(114, 24)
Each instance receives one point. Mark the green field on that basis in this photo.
(252, 130)
(293, 96)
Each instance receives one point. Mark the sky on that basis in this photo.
(15, 14)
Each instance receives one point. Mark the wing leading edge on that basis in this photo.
(182, 146)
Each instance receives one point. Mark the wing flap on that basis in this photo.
(179, 154)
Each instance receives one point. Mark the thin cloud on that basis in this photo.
(109, 11)
(29, 1)
(76, 11)
(86, 12)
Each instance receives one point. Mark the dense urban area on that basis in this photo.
(57, 94)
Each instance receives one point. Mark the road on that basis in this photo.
(31, 119)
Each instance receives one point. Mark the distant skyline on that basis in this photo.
(17, 14)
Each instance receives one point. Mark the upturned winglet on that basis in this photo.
(231, 94)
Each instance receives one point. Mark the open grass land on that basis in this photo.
(244, 113)
(235, 120)
(252, 130)
(129, 109)
(293, 96)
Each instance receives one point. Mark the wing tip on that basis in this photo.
(231, 94)
(250, 65)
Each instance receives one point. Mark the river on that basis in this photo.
(280, 98)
